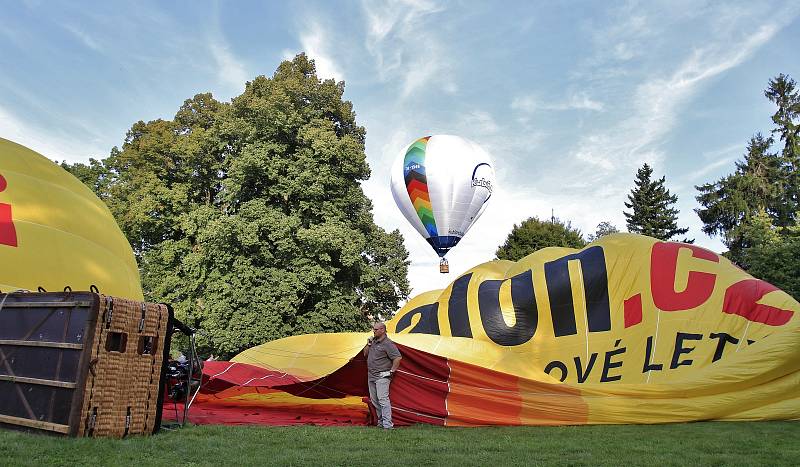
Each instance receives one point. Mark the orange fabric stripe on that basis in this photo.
(479, 396)
(551, 404)
(418, 194)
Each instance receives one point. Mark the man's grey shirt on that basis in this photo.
(380, 356)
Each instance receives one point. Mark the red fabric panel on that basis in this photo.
(8, 233)
(481, 396)
(633, 310)
(418, 393)
(741, 298)
(240, 413)
(419, 388)
(218, 376)
(349, 380)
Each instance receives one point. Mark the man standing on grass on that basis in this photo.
(383, 359)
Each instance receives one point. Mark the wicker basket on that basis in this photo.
(82, 364)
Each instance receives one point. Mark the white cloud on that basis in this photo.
(48, 143)
(480, 121)
(604, 160)
(9, 124)
(68, 132)
(406, 47)
(395, 17)
(724, 151)
(230, 71)
(719, 158)
(657, 102)
(582, 101)
(83, 37)
(625, 38)
(524, 103)
(624, 51)
(315, 43)
(574, 101)
(703, 64)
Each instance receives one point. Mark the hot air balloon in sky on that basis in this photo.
(441, 184)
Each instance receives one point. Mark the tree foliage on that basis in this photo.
(773, 252)
(651, 204)
(756, 209)
(604, 228)
(95, 175)
(249, 216)
(732, 202)
(782, 91)
(765, 185)
(777, 263)
(533, 234)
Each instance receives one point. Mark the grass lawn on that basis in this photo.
(753, 443)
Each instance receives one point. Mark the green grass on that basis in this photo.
(706, 444)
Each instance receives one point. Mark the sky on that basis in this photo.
(569, 98)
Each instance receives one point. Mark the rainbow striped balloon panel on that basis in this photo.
(417, 184)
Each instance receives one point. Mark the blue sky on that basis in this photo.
(570, 98)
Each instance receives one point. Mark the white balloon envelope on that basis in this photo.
(441, 184)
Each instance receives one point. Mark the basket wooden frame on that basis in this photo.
(114, 389)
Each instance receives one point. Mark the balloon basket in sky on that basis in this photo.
(442, 184)
(628, 330)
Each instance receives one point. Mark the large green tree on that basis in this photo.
(95, 175)
(651, 204)
(533, 234)
(249, 216)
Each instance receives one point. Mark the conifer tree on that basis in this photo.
(766, 180)
(783, 93)
(758, 185)
(756, 208)
(651, 208)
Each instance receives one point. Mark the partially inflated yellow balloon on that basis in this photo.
(629, 329)
(54, 232)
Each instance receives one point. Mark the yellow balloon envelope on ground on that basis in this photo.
(54, 232)
(627, 330)
(644, 331)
